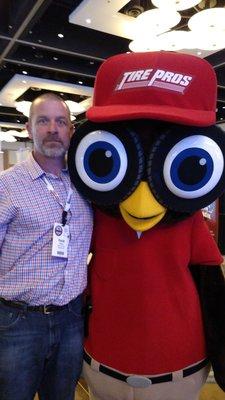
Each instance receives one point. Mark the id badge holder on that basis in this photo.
(60, 240)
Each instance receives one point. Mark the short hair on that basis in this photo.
(47, 96)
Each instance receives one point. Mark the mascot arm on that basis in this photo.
(210, 283)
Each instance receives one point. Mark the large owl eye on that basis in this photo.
(101, 160)
(186, 167)
(193, 167)
(106, 162)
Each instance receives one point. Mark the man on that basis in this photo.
(45, 231)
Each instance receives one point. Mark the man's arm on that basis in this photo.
(6, 212)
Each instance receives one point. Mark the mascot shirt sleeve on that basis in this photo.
(204, 249)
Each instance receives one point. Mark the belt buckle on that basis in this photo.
(45, 310)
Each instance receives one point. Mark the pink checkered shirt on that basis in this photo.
(28, 211)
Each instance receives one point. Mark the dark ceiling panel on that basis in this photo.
(12, 14)
(77, 39)
(3, 44)
(44, 58)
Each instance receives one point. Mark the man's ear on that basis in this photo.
(29, 130)
(72, 130)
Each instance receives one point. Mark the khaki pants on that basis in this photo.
(103, 387)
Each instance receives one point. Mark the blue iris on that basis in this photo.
(102, 162)
(191, 169)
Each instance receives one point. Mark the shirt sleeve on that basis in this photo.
(6, 211)
(204, 249)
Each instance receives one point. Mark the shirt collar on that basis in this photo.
(34, 168)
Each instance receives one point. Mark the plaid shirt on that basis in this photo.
(28, 211)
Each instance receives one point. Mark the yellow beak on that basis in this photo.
(141, 211)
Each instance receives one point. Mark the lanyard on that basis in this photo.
(65, 207)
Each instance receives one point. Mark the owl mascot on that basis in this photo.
(149, 158)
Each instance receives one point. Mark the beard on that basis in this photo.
(51, 148)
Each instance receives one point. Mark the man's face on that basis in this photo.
(50, 128)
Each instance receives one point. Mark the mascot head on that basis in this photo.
(150, 147)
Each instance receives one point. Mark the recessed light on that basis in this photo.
(55, 58)
(39, 41)
(60, 35)
(24, 72)
(10, 26)
(91, 62)
(88, 20)
(24, 81)
(223, 107)
(80, 82)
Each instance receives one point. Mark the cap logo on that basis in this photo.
(157, 78)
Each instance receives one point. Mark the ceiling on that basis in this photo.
(34, 59)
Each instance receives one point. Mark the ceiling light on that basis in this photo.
(88, 20)
(7, 137)
(208, 20)
(60, 35)
(207, 29)
(80, 82)
(155, 21)
(171, 41)
(24, 72)
(21, 134)
(178, 4)
(177, 40)
(151, 43)
(75, 108)
(23, 107)
(211, 40)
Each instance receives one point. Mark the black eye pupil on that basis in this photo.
(191, 170)
(100, 162)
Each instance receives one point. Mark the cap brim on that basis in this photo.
(164, 113)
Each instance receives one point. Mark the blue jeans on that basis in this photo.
(40, 352)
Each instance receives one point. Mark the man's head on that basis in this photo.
(49, 126)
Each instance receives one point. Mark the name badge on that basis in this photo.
(60, 242)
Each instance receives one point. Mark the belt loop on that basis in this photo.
(69, 305)
(177, 375)
(95, 365)
(45, 310)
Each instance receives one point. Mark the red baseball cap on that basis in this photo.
(160, 85)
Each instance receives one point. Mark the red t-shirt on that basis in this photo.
(146, 316)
